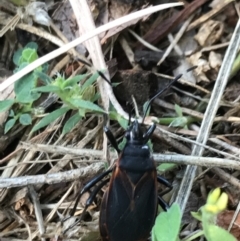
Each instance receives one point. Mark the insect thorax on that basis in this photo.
(136, 158)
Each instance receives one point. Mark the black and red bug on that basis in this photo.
(129, 205)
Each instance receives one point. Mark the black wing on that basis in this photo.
(128, 210)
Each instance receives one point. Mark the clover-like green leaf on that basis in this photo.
(31, 45)
(29, 55)
(167, 225)
(25, 119)
(17, 57)
(23, 89)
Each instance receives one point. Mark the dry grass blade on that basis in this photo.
(86, 23)
(209, 116)
(10, 24)
(176, 39)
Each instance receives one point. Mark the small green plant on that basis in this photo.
(167, 224)
(20, 107)
(216, 203)
(179, 120)
(76, 93)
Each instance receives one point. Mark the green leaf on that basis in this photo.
(44, 77)
(122, 121)
(11, 113)
(215, 233)
(45, 68)
(179, 122)
(17, 57)
(115, 84)
(31, 45)
(197, 215)
(178, 110)
(71, 123)
(25, 119)
(82, 112)
(23, 89)
(122, 144)
(9, 125)
(164, 167)
(167, 225)
(113, 115)
(150, 145)
(47, 88)
(6, 105)
(87, 105)
(29, 55)
(72, 81)
(96, 97)
(20, 67)
(59, 81)
(89, 93)
(145, 107)
(50, 118)
(90, 81)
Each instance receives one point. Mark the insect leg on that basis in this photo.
(88, 186)
(163, 204)
(89, 202)
(166, 183)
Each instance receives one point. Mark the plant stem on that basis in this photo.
(194, 236)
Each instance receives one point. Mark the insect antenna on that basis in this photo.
(104, 77)
(160, 92)
(84, 62)
(98, 71)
